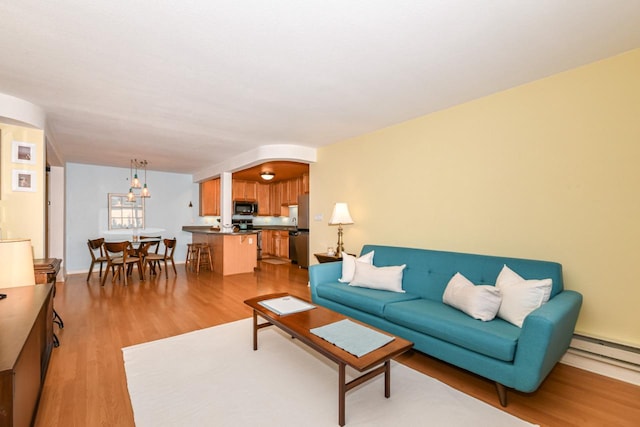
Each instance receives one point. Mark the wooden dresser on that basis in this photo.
(26, 341)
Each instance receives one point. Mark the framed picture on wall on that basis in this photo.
(23, 180)
(23, 152)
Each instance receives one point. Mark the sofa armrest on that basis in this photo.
(323, 273)
(545, 337)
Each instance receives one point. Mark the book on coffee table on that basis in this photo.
(286, 305)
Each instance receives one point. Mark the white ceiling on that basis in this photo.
(187, 84)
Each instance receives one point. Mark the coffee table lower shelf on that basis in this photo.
(299, 326)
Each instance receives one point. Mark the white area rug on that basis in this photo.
(212, 377)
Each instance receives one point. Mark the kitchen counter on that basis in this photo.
(209, 230)
(231, 253)
(276, 227)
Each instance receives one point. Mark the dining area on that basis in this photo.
(118, 258)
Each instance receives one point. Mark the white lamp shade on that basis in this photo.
(340, 214)
(16, 263)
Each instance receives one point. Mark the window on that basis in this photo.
(125, 214)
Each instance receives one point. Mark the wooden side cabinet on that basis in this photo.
(324, 257)
(27, 340)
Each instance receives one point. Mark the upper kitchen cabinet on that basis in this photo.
(305, 183)
(210, 197)
(244, 191)
(264, 199)
(275, 203)
(294, 187)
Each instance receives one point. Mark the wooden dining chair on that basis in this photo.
(120, 258)
(152, 247)
(97, 255)
(152, 259)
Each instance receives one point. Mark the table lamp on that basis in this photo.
(16, 263)
(340, 217)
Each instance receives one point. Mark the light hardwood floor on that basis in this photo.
(86, 384)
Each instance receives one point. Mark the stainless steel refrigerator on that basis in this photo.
(301, 239)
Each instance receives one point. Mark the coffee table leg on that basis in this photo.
(342, 391)
(255, 330)
(387, 379)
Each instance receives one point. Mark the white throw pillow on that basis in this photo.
(478, 301)
(382, 278)
(519, 296)
(349, 265)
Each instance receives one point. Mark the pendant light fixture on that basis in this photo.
(136, 164)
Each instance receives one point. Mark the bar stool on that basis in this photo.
(204, 257)
(192, 255)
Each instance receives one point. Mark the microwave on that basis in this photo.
(245, 208)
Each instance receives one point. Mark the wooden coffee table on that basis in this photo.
(298, 325)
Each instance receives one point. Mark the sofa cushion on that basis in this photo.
(508, 277)
(480, 302)
(497, 338)
(383, 278)
(519, 296)
(349, 265)
(372, 301)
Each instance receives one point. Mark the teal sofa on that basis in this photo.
(513, 357)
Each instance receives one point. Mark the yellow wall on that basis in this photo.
(22, 214)
(549, 170)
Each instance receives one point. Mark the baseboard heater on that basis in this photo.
(604, 357)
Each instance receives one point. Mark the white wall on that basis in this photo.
(22, 214)
(547, 170)
(87, 187)
(55, 215)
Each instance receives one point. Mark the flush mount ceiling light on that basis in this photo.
(267, 176)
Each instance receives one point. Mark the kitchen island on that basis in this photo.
(231, 253)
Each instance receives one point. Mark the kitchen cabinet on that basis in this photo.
(281, 244)
(267, 242)
(210, 197)
(264, 199)
(284, 192)
(231, 253)
(244, 191)
(283, 250)
(275, 243)
(276, 199)
(295, 189)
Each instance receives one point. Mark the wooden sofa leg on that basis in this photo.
(502, 394)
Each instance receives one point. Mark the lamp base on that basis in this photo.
(340, 247)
